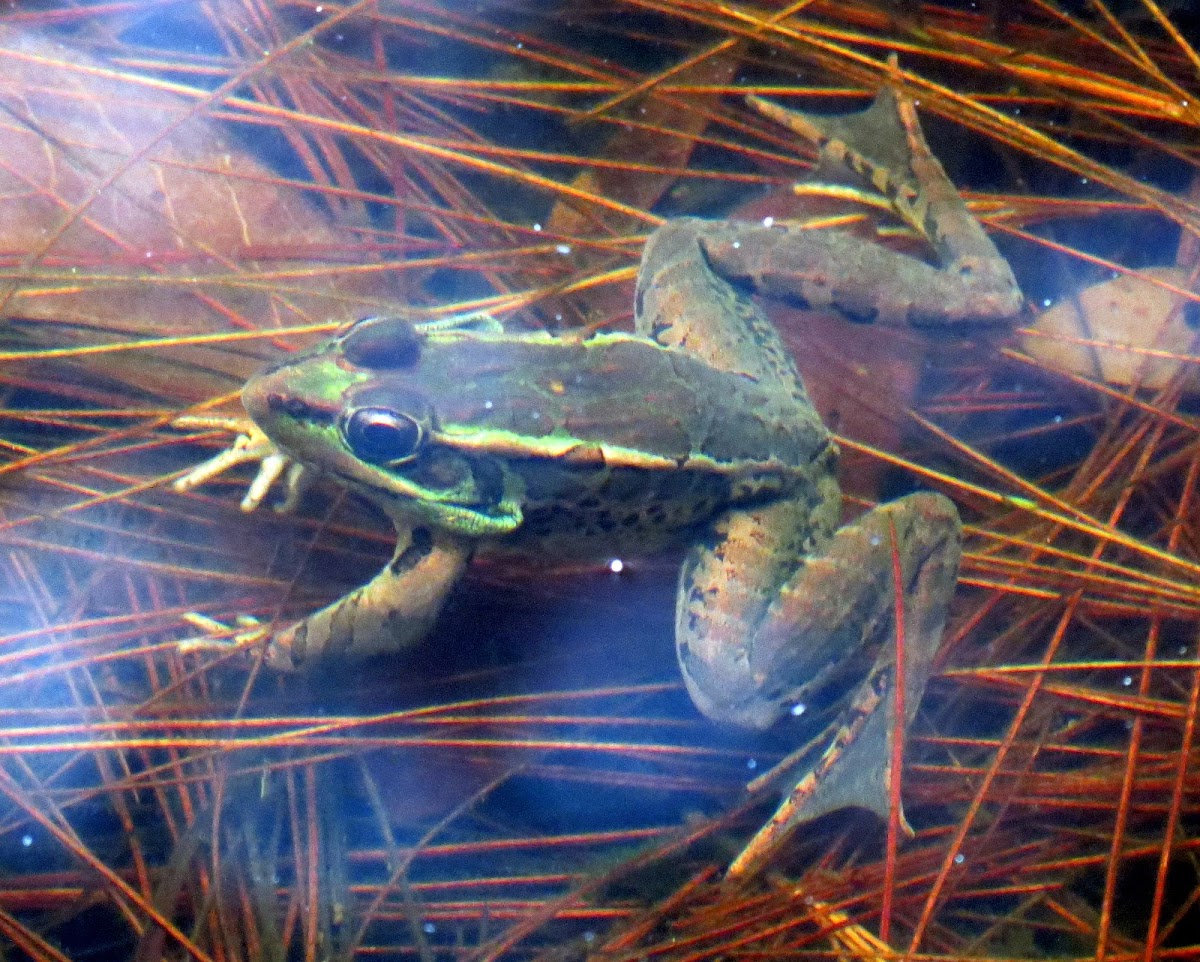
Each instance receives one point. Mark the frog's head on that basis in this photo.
(356, 407)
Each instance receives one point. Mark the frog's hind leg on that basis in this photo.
(818, 631)
(831, 269)
(885, 147)
(680, 302)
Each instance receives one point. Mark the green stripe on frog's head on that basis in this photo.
(338, 408)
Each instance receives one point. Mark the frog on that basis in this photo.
(693, 431)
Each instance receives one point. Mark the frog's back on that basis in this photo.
(622, 445)
(619, 399)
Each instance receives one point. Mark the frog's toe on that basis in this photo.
(249, 447)
(245, 632)
(297, 479)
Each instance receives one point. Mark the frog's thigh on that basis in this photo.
(393, 610)
(682, 303)
(749, 666)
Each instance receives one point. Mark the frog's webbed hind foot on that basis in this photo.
(831, 629)
(885, 149)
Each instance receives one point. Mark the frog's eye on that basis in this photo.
(382, 436)
(382, 344)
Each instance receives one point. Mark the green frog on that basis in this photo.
(694, 430)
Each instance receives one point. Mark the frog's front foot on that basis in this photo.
(250, 445)
(392, 611)
(246, 633)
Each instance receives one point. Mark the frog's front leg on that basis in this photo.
(756, 641)
(392, 611)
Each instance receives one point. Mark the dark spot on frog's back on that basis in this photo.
(382, 344)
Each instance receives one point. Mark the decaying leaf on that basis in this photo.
(1129, 312)
(126, 213)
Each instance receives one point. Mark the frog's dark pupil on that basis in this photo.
(382, 344)
(381, 436)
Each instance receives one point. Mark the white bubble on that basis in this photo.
(616, 566)
(27, 840)
(959, 858)
(1046, 302)
(768, 222)
(487, 405)
(737, 244)
(537, 227)
(429, 928)
(752, 763)
(563, 248)
(799, 709)
(1127, 680)
(875, 541)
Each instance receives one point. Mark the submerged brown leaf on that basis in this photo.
(128, 214)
